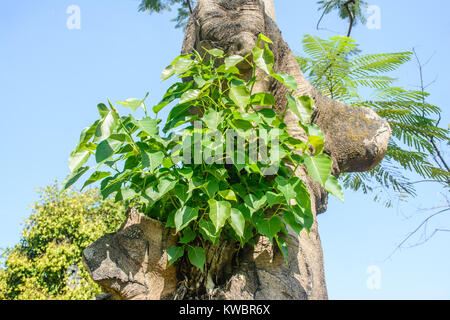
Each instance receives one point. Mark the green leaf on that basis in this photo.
(174, 253)
(107, 186)
(270, 227)
(208, 231)
(319, 167)
(77, 159)
(263, 99)
(212, 119)
(262, 38)
(302, 195)
(174, 92)
(197, 257)
(333, 186)
(242, 124)
(152, 159)
(268, 115)
(254, 203)
(312, 130)
(219, 212)
(128, 193)
(182, 64)
(216, 52)
(106, 149)
(237, 222)
(264, 59)
(106, 127)
(86, 135)
(228, 195)
(240, 95)
(170, 223)
(307, 108)
(73, 177)
(212, 186)
(305, 217)
(167, 72)
(96, 176)
(301, 110)
(102, 110)
(224, 69)
(151, 193)
(190, 95)
(286, 79)
(179, 112)
(149, 126)
(188, 236)
(181, 192)
(291, 219)
(132, 103)
(273, 198)
(232, 61)
(286, 188)
(184, 216)
(196, 183)
(166, 185)
(186, 172)
(168, 163)
(283, 247)
(318, 143)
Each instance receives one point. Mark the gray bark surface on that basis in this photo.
(356, 139)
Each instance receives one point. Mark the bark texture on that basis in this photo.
(356, 139)
(132, 263)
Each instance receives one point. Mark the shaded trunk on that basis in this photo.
(356, 139)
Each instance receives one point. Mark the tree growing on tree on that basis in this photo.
(245, 236)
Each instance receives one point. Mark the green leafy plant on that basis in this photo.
(193, 178)
(336, 67)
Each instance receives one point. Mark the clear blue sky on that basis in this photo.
(51, 79)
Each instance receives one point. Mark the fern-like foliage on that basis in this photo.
(337, 68)
(162, 5)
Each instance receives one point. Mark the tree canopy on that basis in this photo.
(46, 264)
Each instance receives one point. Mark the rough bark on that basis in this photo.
(356, 139)
(132, 263)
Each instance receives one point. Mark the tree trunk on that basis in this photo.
(134, 265)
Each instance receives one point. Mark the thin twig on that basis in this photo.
(424, 222)
(433, 143)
